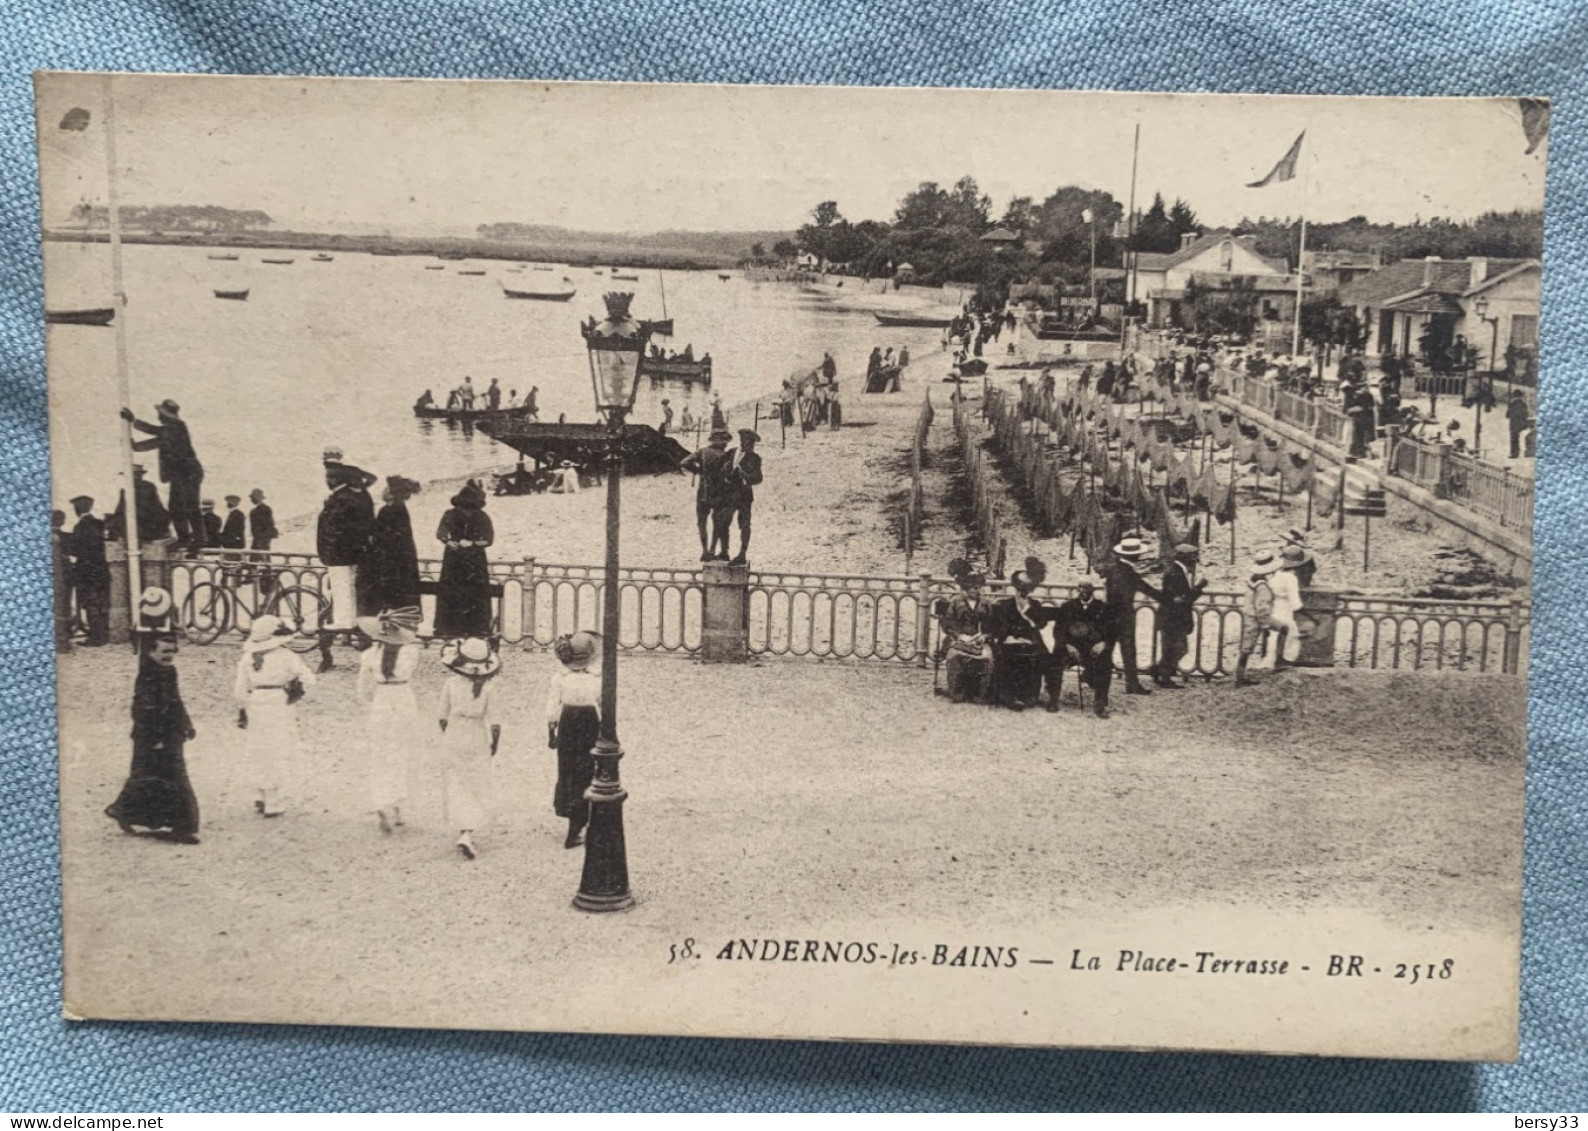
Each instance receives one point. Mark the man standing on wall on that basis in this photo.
(740, 475)
(179, 468)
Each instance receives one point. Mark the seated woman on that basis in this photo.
(964, 640)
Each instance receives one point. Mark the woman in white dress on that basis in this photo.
(1287, 603)
(470, 734)
(267, 709)
(384, 682)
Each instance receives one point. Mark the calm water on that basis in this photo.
(335, 353)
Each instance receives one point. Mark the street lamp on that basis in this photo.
(615, 346)
(1480, 307)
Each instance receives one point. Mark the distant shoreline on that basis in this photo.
(573, 255)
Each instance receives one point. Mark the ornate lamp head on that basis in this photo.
(615, 346)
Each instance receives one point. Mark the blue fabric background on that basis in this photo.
(1325, 46)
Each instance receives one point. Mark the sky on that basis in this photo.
(440, 157)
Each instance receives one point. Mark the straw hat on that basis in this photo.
(1131, 549)
(1293, 556)
(1187, 550)
(264, 634)
(392, 626)
(1265, 562)
(472, 657)
(155, 604)
(577, 652)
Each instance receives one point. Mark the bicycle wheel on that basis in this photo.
(303, 610)
(206, 612)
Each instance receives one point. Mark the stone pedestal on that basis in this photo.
(1315, 621)
(725, 636)
(154, 568)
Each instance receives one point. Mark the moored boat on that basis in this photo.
(471, 272)
(504, 415)
(323, 258)
(240, 295)
(920, 321)
(224, 258)
(435, 266)
(676, 369)
(724, 276)
(277, 262)
(541, 296)
(92, 316)
(626, 278)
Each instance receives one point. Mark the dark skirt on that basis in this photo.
(463, 596)
(577, 731)
(157, 794)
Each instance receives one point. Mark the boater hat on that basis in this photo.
(1265, 562)
(1187, 550)
(392, 626)
(154, 610)
(1131, 549)
(472, 657)
(265, 633)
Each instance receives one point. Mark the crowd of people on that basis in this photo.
(157, 798)
(465, 398)
(885, 370)
(1014, 651)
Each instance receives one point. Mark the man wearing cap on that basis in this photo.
(1083, 634)
(154, 522)
(341, 538)
(213, 526)
(90, 574)
(1176, 614)
(234, 530)
(1122, 580)
(741, 473)
(708, 463)
(180, 469)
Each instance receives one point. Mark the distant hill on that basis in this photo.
(725, 247)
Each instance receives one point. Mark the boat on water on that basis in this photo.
(236, 295)
(626, 278)
(724, 276)
(471, 272)
(278, 262)
(645, 450)
(540, 296)
(92, 316)
(323, 258)
(435, 266)
(676, 369)
(920, 321)
(224, 258)
(501, 415)
(547, 267)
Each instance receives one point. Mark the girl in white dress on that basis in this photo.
(384, 682)
(470, 734)
(1287, 602)
(266, 709)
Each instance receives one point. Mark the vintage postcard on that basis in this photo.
(1028, 568)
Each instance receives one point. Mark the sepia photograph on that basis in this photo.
(995, 567)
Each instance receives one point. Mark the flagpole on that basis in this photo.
(1301, 254)
(1130, 224)
(119, 297)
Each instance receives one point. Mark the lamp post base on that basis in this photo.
(604, 885)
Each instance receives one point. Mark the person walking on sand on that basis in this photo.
(469, 736)
(388, 573)
(708, 465)
(1256, 612)
(463, 596)
(180, 469)
(719, 420)
(341, 538)
(573, 723)
(270, 681)
(385, 675)
(157, 796)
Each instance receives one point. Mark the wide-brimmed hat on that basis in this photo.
(1131, 549)
(472, 495)
(578, 651)
(154, 604)
(402, 487)
(1265, 562)
(393, 626)
(1293, 555)
(232, 498)
(170, 406)
(1187, 550)
(566, 463)
(1296, 536)
(472, 657)
(265, 633)
(750, 435)
(210, 503)
(721, 434)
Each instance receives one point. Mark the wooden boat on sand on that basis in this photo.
(471, 272)
(224, 258)
(277, 262)
(645, 450)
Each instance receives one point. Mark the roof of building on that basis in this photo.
(1165, 261)
(1425, 302)
(1447, 276)
(1517, 267)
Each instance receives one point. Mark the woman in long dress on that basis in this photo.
(573, 723)
(463, 597)
(388, 573)
(158, 796)
(470, 734)
(385, 675)
(1287, 602)
(267, 710)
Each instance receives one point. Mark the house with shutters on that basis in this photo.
(1218, 260)
(1487, 305)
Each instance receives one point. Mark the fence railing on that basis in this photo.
(835, 616)
(1494, 492)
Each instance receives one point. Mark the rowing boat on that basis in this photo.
(238, 295)
(541, 296)
(920, 321)
(503, 415)
(278, 262)
(96, 316)
(676, 369)
(471, 272)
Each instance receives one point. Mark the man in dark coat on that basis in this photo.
(341, 538)
(61, 575)
(1121, 583)
(708, 464)
(234, 530)
(261, 521)
(1021, 660)
(1084, 634)
(90, 573)
(1176, 614)
(180, 469)
(154, 522)
(1519, 419)
(212, 524)
(741, 473)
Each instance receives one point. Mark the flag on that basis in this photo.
(1286, 169)
(1535, 121)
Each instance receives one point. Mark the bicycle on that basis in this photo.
(210, 610)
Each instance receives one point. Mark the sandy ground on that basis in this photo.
(1266, 807)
